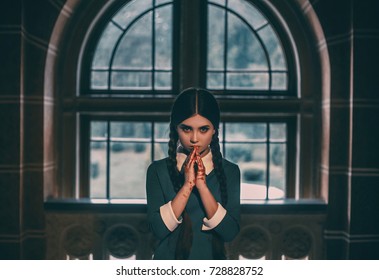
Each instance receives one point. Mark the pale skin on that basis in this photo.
(195, 134)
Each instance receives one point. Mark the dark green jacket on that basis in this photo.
(160, 191)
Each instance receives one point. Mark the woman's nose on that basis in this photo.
(193, 139)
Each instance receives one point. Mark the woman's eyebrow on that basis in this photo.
(184, 125)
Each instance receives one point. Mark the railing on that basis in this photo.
(82, 230)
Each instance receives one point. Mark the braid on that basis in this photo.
(218, 248)
(217, 163)
(172, 170)
(184, 242)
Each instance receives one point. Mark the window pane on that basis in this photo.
(250, 156)
(132, 130)
(273, 47)
(278, 158)
(248, 12)
(251, 159)
(277, 171)
(99, 129)
(161, 138)
(279, 81)
(161, 131)
(99, 79)
(216, 38)
(160, 150)
(244, 49)
(128, 165)
(221, 133)
(135, 49)
(98, 169)
(105, 46)
(215, 80)
(130, 11)
(245, 131)
(247, 81)
(278, 132)
(163, 80)
(163, 38)
(129, 80)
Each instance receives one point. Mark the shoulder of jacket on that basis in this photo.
(229, 164)
(158, 164)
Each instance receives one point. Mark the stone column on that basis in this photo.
(26, 136)
(11, 116)
(352, 35)
(363, 172)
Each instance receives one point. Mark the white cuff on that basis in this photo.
(215, 220)
(168, 216)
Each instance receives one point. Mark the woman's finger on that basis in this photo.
(189, 158)
(200, 164)
(192, 156)
(190, 161)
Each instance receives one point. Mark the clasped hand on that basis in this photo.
(194, 170)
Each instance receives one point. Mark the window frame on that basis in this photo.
(234, 107)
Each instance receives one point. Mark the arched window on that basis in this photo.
(140, 54)
(135, 49)
(244, 52)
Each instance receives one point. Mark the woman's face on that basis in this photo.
(196, 131)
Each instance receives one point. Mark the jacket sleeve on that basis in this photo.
(155, 199)
(229, 227)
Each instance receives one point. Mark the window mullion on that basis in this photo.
(108, 161)
(267, 160)
(193, 43)
(223, 139)
(153, 47)
(152, 141)
(225, 46)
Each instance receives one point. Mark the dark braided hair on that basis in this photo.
(188, 103)
(218, 249)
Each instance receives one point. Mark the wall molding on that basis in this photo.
(350, 238)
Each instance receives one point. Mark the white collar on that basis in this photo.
(207, 161)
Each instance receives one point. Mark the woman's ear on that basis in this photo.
(214, 131)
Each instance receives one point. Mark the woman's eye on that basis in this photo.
(186, 129)
(204, 129)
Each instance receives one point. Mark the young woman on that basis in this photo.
(193, 196)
